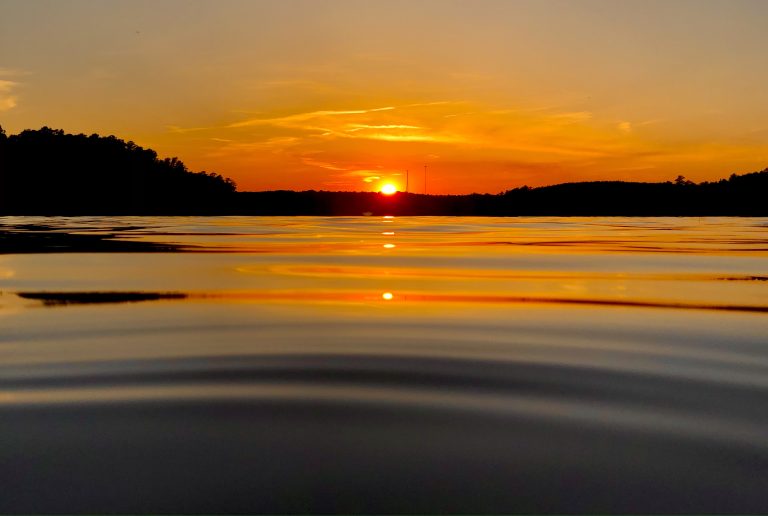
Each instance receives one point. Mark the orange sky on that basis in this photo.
(346, 95)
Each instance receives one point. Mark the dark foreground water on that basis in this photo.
(388, 365)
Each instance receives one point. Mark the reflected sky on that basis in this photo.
(667, 261)
(473, 355)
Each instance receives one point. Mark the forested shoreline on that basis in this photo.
(50, 172)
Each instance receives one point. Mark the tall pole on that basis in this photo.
(425, 180)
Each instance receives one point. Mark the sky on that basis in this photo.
(349, 95)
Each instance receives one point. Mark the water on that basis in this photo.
(387, 365)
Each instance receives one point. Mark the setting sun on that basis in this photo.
(388, 189)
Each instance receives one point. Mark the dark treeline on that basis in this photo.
(48, 172)
(739, 195)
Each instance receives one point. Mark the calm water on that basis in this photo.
(385, 365)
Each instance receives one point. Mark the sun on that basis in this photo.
(388, 189)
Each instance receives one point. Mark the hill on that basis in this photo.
(743, 195)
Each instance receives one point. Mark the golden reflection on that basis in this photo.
(387, 296)
(389, 246)
(388, 233)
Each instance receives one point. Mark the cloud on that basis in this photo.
(389, 137)
(362, 173)
(292, 120)
(315, 163)
(8, 99)
(184, 130)
(359, 127)
(387, 123)
(12, 72)
(228, 147)
(573, 117)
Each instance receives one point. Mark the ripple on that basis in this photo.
(56, 299)
(426, 424)
(294, 365)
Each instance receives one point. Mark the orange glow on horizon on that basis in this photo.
(467, 146)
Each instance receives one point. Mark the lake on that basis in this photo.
(383, 365)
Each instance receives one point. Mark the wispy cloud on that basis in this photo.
(390, 137)
(229, 147)
(291, 120)
(8, 98)
(321, 164)
(184, 130)
(366, 176)
(571, 118)
(359, 127)
(13, 72)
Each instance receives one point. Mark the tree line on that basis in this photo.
(742, 195)
(49, 172)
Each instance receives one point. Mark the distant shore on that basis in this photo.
(50, 172)
(739, 196)
(743, 195)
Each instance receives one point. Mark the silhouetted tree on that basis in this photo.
(49, 171)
